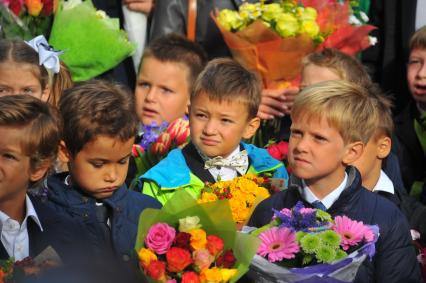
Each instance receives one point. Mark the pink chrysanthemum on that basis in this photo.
(306, 210)
(277, 244)
(351, 231)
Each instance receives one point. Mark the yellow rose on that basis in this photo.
(230, 20)
(309, 14)
(189, 223)
(212, 275)
(207, 197)
(227, 274)
(287, 25)
(310, 27)
(198, 239)
(271, 11)
(146, 256)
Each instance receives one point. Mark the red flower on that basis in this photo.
(48, 7)
(179, 131)
(162, 144)
(156, 270)
(177, 259)
(15, 6)
(34, 7)
(278, 151)
(227, 260)
(190, 277)
(137, 150)
(182, 240)
(214, 244)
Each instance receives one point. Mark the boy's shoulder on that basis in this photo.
(262, 161)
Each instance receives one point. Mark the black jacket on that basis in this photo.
(395, 259)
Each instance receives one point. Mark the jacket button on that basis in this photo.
(126, 257)
(86, 215)
(85, 199)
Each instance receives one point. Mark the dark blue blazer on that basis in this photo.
(395, 259)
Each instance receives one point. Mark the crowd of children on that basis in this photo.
(65, 151)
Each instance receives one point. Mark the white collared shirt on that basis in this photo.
(225, 173)
(384, 184)
(329, 199)
(14, 237)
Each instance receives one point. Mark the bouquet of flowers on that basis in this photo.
(243, 193)
(304, 243)
(273, 38)
(93, 42)
(190, 242)
(26, 19)
(157, 142)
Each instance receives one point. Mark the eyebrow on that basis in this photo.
(108, 160)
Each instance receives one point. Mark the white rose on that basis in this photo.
(189, 223)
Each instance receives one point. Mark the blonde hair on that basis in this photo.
(384, 123)
(346, 106)
(418, 39)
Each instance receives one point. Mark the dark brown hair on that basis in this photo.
(225, 79)
(95, 108)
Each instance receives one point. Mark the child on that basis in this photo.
(331, 123)
(30, 132)
(223, 111)
(99, 129)
(21, 73)
(170, 65)
(410, 123)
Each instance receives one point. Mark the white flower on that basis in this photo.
(189, 223)
(415, 235)
(364, 16)
(354, 21)
(68, 5)
(372, 40)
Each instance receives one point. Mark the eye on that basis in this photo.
(144, 85)
(124, 161)
(227, 121)
(320, 138)
(97, 164)
(28, 90)
(4, 91)
(166, 90)
(201, 115)
(295, 133)
(9, 156)
(414, 62)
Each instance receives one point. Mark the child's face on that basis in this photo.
(313, 74)
(100, 168)
(316, 152)
(370, 162)
(162, 91)
(15, 170)
(20, 78)
(416, 74)
(217, 127)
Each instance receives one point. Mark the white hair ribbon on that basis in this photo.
(48, 57)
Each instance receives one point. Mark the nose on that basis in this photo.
(422, 71)
(209, 128)
(300, 144)
(151, 94)
(111, 174)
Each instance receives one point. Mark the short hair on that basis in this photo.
(384, 123)
(418, 39)
(176, 48)
(346, 107)
(94, 108)
(345, 66)
(225, 79)
(42, 123)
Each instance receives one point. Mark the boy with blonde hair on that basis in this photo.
(332, 122)
(223, 110)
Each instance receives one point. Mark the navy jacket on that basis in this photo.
(395, 259)
(125, 207)
(60, 232)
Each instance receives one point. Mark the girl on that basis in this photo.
(21, 72)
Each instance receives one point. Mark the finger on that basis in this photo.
(270, 112)
(273, 103)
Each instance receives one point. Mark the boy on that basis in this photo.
(410, 123)
(30, 131)
(170, 65)
(331, 123)
(223, 111)
(99, 129)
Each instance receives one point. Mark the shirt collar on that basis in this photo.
(329, 199)
(30, 213)
(384, 184)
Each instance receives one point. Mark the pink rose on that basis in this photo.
(160, 238)
(202, 258)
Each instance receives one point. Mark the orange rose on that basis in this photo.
(157, 270)
(177, 259)
(198, 239)
(34, 7)
(214, 244)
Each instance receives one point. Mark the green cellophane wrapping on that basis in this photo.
(215, 218)
(92, 44)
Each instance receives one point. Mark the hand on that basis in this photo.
(276, 102)
(142, 6)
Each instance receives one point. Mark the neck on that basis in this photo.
(324, 185)
(370, 181)
(14, 207)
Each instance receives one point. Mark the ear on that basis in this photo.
(45, 94)
(384, 146)
(40, 171)
(353, 152)
(251, 127)
(63, 153)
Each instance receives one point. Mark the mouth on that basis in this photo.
(149, 112)
(108, 189)
(419, 89)
(208, 142)
(301, 161)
